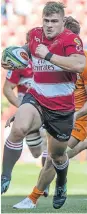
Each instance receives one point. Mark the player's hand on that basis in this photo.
(11, 119)
(7, 66)
(42, 51)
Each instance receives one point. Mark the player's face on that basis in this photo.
(53, 25)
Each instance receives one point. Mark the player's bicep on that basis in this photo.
(80, 58)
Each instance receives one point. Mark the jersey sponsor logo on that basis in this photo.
(77, 41)
(63, 137)
(32, 101)
(77, 129)
(79, 48)
(78, 44)
(24, 55)
(43, 68)
(43, 65)
(37, 39)
(41, 61)
(9, 74)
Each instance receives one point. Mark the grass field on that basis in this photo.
(25, 177)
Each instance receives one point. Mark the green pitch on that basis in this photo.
(24, 179)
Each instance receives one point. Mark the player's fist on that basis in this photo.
(42, 51)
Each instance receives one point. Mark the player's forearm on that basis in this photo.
(9, 94)
(72, 152)
(77, 149)
(72, 63)
(82, 112)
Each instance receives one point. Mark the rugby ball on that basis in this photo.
(16, 57)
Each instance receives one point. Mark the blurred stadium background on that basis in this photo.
(18, 17)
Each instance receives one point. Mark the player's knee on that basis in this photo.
(58, 156)
(58, 159)
(35, 151)
(24, 129)
(19, 131)
(36, 154)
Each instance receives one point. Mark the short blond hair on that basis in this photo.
(53, 7)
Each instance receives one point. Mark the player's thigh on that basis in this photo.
(55, 147)
(59, 126)
(27, 118)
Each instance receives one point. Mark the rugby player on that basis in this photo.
(77, 136)
(56, 59)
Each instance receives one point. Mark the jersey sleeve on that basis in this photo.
(73, 45)
(13, 76)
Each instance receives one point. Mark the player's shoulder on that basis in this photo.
(69, 34)
(18, 72)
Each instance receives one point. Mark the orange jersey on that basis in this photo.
(80, 129)
(80, 92)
